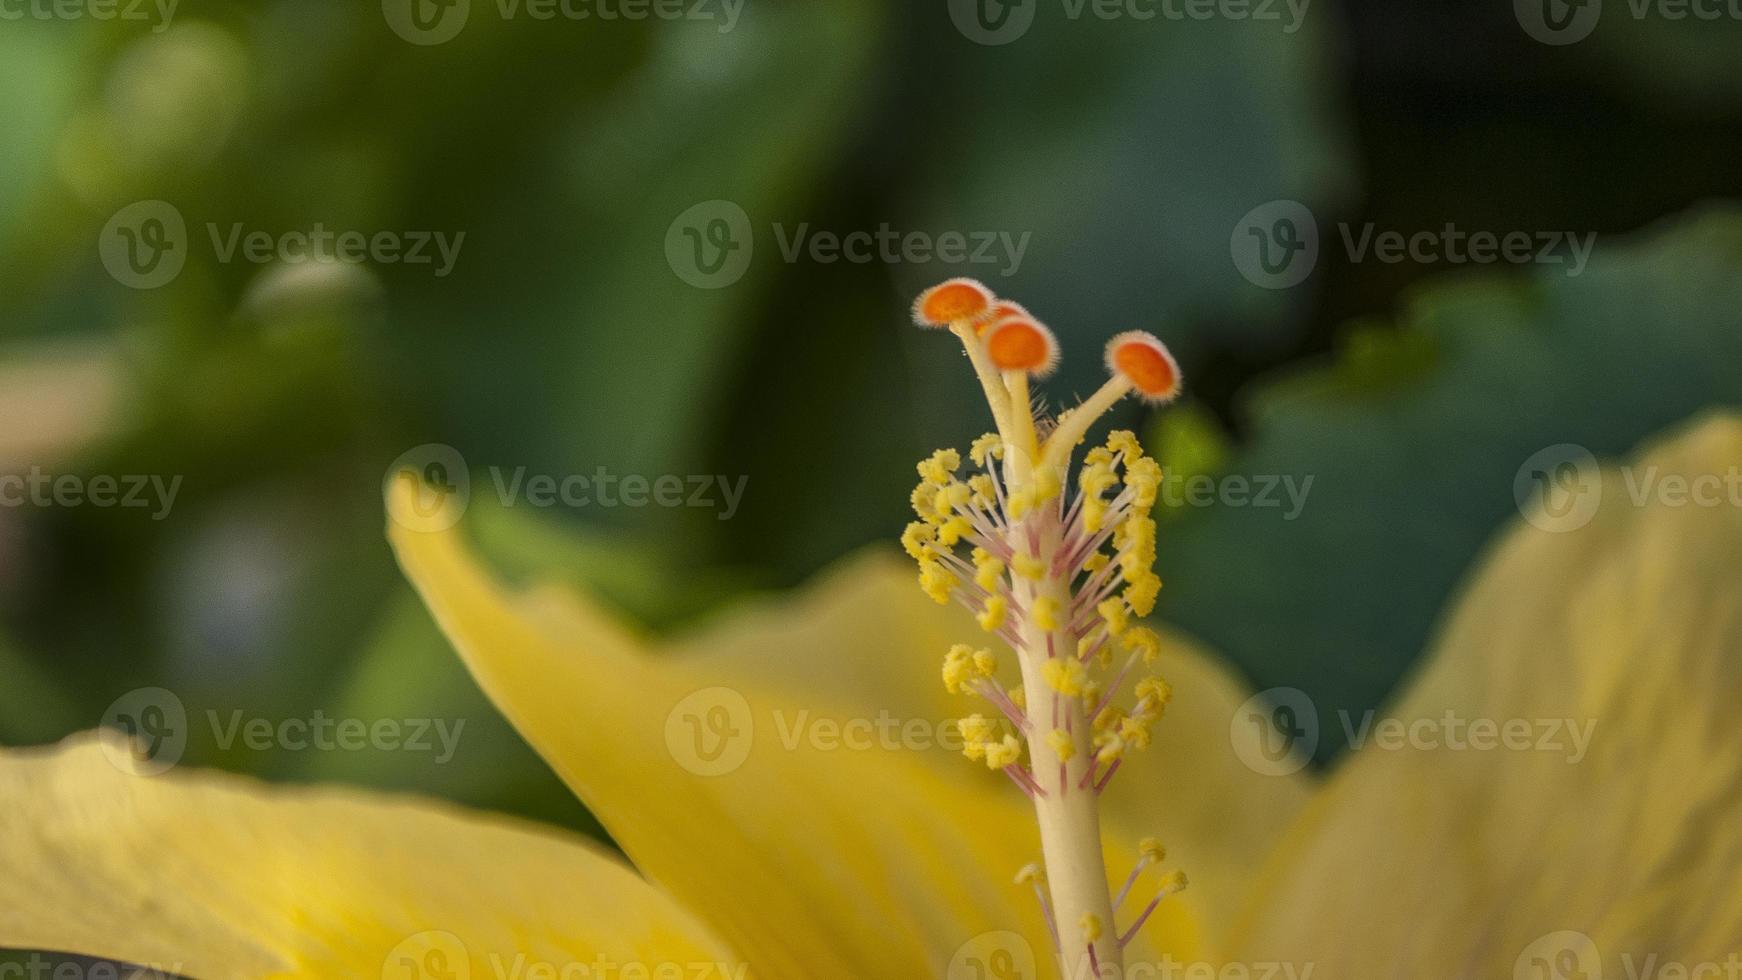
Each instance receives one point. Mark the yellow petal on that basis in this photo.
(1219, 816)
(1458, 859)
(814, 852)
(212, 875)
(866, 640)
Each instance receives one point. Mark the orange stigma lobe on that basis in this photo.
(1144, 361)
(1018, 343)
(952, 301)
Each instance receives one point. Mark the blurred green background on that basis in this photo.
(566, 337)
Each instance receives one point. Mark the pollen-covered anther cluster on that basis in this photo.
(1054, 555)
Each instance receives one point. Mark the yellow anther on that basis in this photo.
(1066, 676)
(1113, 611)
(917, 540)
(1142, 641)
(1137, 539)
(1098, 456)
(1091, 695)
(1094, 514)
(937, 581)
(1143, 476)
(1062, 744)
(1135, 731)
(976, 729)
(924, 500)
(937, 467)
(952, 531)
(1031, 874)
(1097, 478)
(1096, 562)
(1124, 442)
(985, 494)
(1018, 697)
(952, 496)
(1151, 850)
(1173, 883)
(1046, 613)
(1029, 567)
(987, 447)
(988, 571)
(1141, 594)
(1004, 753)
(1109, 719)
(1153, 694)
(991, 619)
(1091, 926)
(959, 668)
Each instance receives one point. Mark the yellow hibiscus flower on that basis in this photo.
(791, 804)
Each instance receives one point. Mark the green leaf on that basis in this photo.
(1411, 480)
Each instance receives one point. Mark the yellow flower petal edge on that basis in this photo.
(1218, 815)
(811, 858)
(211, 875)
(1603, 836)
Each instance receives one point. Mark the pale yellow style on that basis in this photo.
(807, 862)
